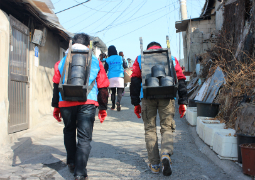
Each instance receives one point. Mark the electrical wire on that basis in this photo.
(86, 13)
(57, 2)
(100, 17)
(72, 7)
(96, 9)
(85, 18)
(194, 7)
(139, 17)
(144, 2)
(139, 28)
(118, 16)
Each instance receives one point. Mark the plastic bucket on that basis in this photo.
(243, 139)
(192, 103)
(158, 71)
(248, 158)
(152, 82)
(166, 81)
(207, 109)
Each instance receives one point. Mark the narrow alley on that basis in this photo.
(118, 152)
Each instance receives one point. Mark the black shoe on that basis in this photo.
(81, 178)
(118, 106)
(113, 106)
(166, 165)
(71, 167)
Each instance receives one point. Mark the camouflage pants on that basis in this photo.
(166, 109)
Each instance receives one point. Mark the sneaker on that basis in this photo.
(71, 167)
(166, 164)
(154, 168)
(118, 106)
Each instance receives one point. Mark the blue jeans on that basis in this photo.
(82, 118)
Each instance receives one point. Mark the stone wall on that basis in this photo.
(199, 39)
(41, 85)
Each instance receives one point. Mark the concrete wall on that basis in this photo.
(198, 40)
(4, 57)
(219, 15)
(41, 77)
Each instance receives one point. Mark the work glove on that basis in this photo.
(137, 111)
(182, 110)
(57, 114)
(102, 115)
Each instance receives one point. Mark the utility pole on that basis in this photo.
(183, 8)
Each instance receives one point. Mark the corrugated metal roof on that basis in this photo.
(45, 12)
(43, 9)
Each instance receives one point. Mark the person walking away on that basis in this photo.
(115, 66)
(166, 110)
(102, 58)
(80, 116)
(130, 62)
(122, 55)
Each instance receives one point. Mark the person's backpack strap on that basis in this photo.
(91, 86)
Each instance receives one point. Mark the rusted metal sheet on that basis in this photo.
(18, 77)
(42, 6)
(202, 92)
(218, 79)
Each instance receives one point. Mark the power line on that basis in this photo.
(124, 16)
(72, 6)
(86, 13)
(57, 2)
(118, 16)
(137, 17)
(139, 28)
(143, 3)
(100, 17)
(96, 9)
(84, 19)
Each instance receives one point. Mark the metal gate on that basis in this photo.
(18, 76)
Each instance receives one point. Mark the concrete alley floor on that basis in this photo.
(118, 152)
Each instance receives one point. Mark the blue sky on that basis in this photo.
(121, 23)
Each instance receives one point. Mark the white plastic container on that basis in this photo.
(209, 132)
(191, 115)
(225, 144)
(207, 124)
(200, 124)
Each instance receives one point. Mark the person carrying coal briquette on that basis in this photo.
(78, 115)
(166, 110)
